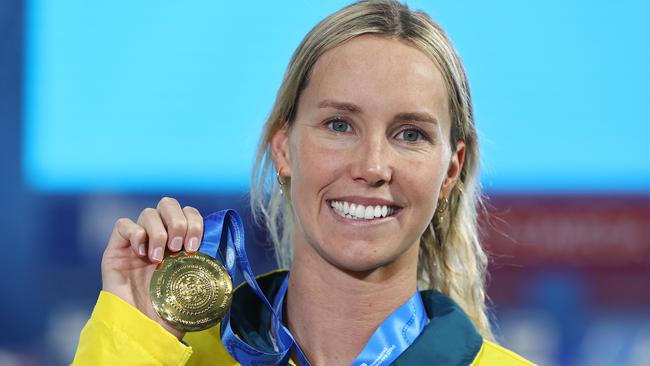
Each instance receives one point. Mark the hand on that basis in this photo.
(135, 250)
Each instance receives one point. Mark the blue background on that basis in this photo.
(133, 96)
(107, 106)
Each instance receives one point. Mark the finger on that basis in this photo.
(175, 222)
(194, 228)
(128, 233)
(152, 223)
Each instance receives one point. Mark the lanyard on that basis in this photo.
(223, 238)
(395, 334)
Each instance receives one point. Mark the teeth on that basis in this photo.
(358, 212)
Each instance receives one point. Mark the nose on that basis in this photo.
(373, 163)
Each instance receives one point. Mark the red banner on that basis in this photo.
(593, 231)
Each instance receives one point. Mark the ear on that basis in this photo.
(280, 151)
(453, 171)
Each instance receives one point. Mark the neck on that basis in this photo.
(332, 313)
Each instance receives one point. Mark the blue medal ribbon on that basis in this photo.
(395, 334)
(223, 239)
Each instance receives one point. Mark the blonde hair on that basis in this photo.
(451, 258)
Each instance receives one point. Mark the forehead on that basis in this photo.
(375, 71)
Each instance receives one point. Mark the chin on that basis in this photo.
(360, 258)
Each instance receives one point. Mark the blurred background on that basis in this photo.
(107, 106)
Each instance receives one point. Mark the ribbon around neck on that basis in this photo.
(223, 239)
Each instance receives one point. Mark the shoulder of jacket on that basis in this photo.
(494, 354)
(207, 348)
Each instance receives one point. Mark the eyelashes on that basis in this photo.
(407, 133)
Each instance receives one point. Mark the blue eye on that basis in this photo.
(410, 135)
(339, 125)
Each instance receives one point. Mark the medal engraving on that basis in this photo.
(191, 292)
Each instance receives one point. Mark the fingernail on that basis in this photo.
(157, 254)
(176, 244)
(193, 245)
(141, 250)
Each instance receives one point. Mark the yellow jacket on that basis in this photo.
(119, 334)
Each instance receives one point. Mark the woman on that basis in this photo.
(374, 151)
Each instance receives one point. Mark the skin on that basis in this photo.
(136, 248)
(362, 154)
(348, 276)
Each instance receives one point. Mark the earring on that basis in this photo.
(441, 210)
(281, 181)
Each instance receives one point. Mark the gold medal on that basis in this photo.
(191, 291)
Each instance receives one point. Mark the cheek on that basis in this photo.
(314, 167)
(316, 160)
(422, 179)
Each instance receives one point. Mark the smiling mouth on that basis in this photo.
(361, 212)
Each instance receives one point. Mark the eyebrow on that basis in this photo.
(416, 117)
(353, 108)
(342, 106)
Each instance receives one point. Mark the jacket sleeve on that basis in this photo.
(119, 334)
(491, 354)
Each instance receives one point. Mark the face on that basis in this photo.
(368, 154)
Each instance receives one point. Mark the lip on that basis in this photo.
(363, 222)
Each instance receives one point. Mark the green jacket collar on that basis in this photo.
(448, 339)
